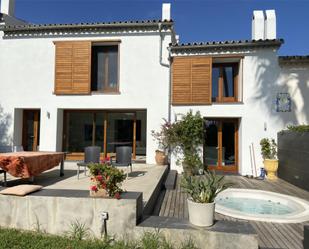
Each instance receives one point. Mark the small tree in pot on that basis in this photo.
(203, 191)
(185, 138)
(161, 137)
(269, 154)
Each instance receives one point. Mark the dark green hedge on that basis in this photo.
(298, 128)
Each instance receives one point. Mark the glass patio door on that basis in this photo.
(221, 144)
(120, 130)
(107, 129)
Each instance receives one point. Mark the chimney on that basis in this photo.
(166, 11)
(258, 25)
(177, 39)
(7, 7)
(270, 25)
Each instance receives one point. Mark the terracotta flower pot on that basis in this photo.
(271, 167)
(160, 157)
(97, 192)
(102, 193)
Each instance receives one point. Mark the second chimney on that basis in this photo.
(270, 25)
(7, 7)
(166, 11)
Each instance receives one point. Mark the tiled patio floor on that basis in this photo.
(144, 178)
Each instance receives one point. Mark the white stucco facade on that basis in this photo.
(27, 67)
(261, 79)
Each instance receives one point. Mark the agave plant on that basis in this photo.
(204, 189)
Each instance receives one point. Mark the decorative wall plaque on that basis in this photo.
(283, 102)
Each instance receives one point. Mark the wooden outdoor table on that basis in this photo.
(27, 164)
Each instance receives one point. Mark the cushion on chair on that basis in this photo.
(21, 190)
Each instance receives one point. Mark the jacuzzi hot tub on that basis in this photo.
(250, 204)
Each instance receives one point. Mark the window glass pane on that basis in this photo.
(79, 131)
(215, 83)
(228, 143)
(211, 142)
(104, 67)
(119, 130)
(112, 67)
(228, 82)
(141, 132)
(99, 130)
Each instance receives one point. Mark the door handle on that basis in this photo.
(217, 148)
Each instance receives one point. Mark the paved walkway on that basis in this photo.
(270, 235)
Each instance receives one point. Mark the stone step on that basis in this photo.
(170, 181)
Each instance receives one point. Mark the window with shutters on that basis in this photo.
(224, 82)
(82, 67)
(104, 68)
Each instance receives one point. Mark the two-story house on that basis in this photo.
(67, 86)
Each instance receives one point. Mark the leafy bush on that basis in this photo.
(268, 148)
(184, 136)
(204, 189)
(298, 128)
(107, 177)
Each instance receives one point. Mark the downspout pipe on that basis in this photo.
(161, 47)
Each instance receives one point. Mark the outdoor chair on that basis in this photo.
(92, 155)
(18, 148)
(123, 158)
(4, 177)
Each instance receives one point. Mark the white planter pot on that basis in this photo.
(201, 214)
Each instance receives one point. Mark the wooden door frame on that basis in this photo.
(220, 167)
(36, 128)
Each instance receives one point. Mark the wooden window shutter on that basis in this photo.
(73, 67)
(181, 80)
(201, 80)
(191, 80)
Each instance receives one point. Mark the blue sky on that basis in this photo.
(195, 20)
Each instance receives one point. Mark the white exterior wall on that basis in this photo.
(27, 81)
(262, 79)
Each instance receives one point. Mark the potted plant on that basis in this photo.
(202, 192)
(162, 139)
(105, 180)
(269, 154)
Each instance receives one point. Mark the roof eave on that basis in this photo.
(79, 26)
(226, 45)
(288, 60)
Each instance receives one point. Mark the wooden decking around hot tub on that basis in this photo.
(270, 235)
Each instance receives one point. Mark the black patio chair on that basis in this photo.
(92, 155)
(123, 158)
(4, 177)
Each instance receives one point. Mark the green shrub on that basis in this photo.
(298, 128)
(204, 189)
(185, 136)
(268, 148)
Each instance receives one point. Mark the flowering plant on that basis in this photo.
(106, 160)
(107, 177)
